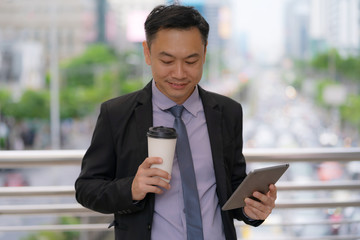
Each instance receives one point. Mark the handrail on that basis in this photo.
(339, 237)
(312, 186)
(103, 227)
(30, 158)
(42, 209)
(67, 227)
(42, 158)
(30, 191)
(296, 223)
(303, 154)
(75, 209)
(319, 203)
(34, 191)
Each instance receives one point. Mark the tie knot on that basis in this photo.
(177, 110)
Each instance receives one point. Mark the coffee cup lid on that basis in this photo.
(162, 132)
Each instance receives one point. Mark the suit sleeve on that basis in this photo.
(97, 187)
(239, 166)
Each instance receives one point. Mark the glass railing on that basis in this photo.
(314, 200)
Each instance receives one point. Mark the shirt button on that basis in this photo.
(149, 227)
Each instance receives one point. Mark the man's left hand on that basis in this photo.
(260, 210)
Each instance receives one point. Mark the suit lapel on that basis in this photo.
(143, 118)
(213, 115)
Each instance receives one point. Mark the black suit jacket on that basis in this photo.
(119, 146)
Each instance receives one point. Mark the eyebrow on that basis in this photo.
(170, 55)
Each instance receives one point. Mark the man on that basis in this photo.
(116, 176)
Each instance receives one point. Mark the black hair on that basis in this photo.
(175, 16)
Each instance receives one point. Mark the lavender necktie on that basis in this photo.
(191, 196)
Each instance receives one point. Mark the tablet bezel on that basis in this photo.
(257, 180)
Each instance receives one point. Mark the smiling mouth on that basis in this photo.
(177, 85)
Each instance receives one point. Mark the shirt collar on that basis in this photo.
(193, 104)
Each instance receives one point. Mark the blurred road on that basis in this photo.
(277, 116)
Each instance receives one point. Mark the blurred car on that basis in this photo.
(15, 179)
(328, 171)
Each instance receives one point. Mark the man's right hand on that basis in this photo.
(147, 180)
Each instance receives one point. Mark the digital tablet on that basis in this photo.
(257, 180)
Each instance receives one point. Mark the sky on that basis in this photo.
(263, 22)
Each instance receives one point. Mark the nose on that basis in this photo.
(179, 71)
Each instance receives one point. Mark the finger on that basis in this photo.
(150, 161)
(265, 205)
(154, 172)
(156, 177)
(266, 200)
(251, 213)
(253, 203)
(255, 213)
(143, 185)
(151, 189)
(272, 191)
(257, 209)
(160, 182)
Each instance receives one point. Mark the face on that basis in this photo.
(176, 58)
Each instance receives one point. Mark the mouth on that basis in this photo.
(177, 85)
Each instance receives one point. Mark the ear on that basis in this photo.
(146, 53)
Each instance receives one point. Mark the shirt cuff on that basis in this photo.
(249, 218)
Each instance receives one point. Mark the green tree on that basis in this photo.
(5, 101)
(320, 88)
(322, 60)
(348, 67)
(350, 111)
(52, 235)
(93, 77)
(32, 104)
(86, 80)
(81, 70)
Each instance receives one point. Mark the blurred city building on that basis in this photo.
(296, 28)
(130, 16)
(313, 26)
(25, 37)
(343, 25)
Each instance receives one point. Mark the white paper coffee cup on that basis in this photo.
(162, 143)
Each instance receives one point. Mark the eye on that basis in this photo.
(166, 62)
(191, 62)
